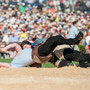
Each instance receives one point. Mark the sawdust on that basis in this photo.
(66, 78)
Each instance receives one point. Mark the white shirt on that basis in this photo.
(23, 58)
(73, 32)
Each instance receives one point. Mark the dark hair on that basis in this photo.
(25, 42)
(75, 22)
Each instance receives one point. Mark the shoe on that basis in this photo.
(63, 63)
(79, 37)
(84, 64)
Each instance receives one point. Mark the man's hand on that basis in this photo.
(3, 50)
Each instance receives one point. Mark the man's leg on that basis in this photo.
(58, 62)
(83, 59)
(52, 42)
(70, 54)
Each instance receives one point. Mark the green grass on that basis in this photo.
(48, 65)
(74, 62)
(6, 60)
(81, 47)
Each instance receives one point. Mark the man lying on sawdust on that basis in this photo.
(42, 53)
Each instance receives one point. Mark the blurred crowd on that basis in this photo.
(21, 21)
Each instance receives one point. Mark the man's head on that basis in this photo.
(75, 23)
(26, 44)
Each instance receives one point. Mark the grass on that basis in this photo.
(48, 65)
(6, 60)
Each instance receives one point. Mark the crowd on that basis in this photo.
(82, 5)
(21, 21)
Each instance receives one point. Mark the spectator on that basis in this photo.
(73, 32)
(13, 38)
(6, 38)
(87, 38)
(87, 47)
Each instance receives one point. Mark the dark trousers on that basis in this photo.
(73, 55)
(53, 41)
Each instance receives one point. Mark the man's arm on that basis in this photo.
(16, 47)
(4, 65)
